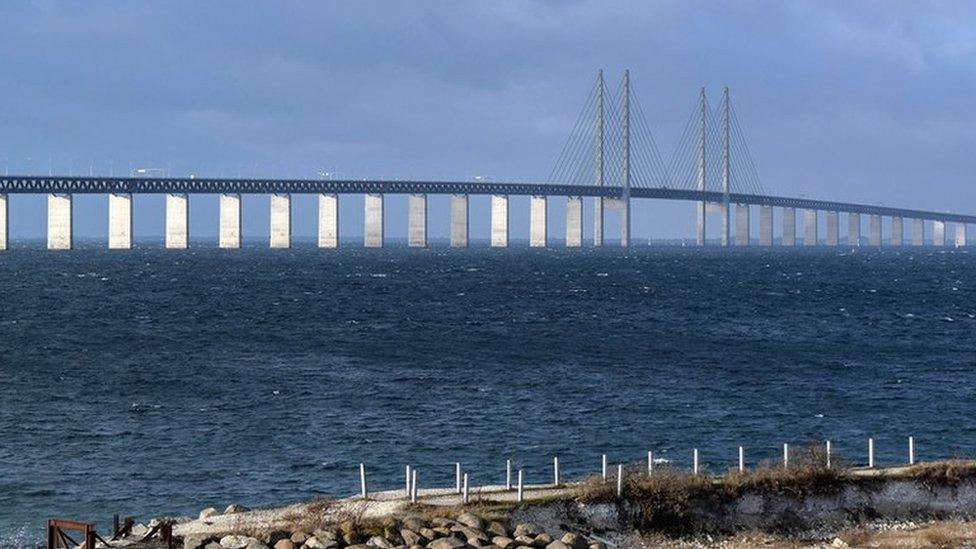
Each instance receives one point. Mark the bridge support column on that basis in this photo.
(741, 224)
(960, 235)
(374, 221)
(574, 222)
(897, 231)
(918, 232)
(4, 223)
(177, 221)
(765, 225)
(874, 225)
(625, 222)
(538, 216)
(853, 229)
(460, 225)
(499, 221)
(280, 229)
(833, 228)
(417, 221)
(120, 221)
(60, 225)
(700, 208)
(230, 221)
(938, 233)
(328, 233)
(789, 226)
(726, 212)
(810, 228)
(598, 221)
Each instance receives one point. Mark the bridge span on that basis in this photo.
(120, 190)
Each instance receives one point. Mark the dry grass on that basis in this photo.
(943, 473)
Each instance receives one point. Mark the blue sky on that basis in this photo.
(862, 101)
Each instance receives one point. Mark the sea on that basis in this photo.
(156, 382)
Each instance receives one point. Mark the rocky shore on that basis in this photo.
(803, 506)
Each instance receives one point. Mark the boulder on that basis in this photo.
(315, 543)
(429, 534)
(414, 523)
(575, 541)
(598, 545)
(524, 541)
(298, 538)
(447, 543)
(527, 529)
(235, 508)
(212, 545)
(471, 534)
(196, 541)
(504, 542)
(256, 544)
(441, 521)
(236, 542)
(413, 538)
(284, 544)
(443, 531)
(208, 512)
(471, 520)
(496, 528)
(557, 545)
(392, 535)
(139, 530)
(380, 542)
(543, 540)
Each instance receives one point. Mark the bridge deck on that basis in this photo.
(138, 185)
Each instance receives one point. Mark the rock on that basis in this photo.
(557, 545)
(414, 523)
(379, 541)
(208, 512)
(256, 544)
(543, 540)
(471, 534)
(196, 541)
(527, 529)
(413, 538)
(429, 534)
(235, 508)
(447, 543)
(315, 543)
(496, 528)
(524, 540)
(598, 545)
(284, 544)
(416, 547)
(139, 530)
(298, 538)
(504, 542)
(471, 520)
(443, 532)
(839, 543)
(441, 521)
(212, 545)
(236, 542)
(575, 541)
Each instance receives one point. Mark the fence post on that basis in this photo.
(620, 480)
(604, 467)
(519, 498)
(408, 481)
(786, 456)
(650, 463)
(828, 454)
(464, 496)
(742, 459)
(911, 450)
(457, 475)
(695, 461)
(413, 487)
(870, 453)
(555, 470)
(362, 479)
(508, 474)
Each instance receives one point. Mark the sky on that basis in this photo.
(855, 101)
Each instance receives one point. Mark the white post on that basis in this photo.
(911, 450)
(413, 486)
(828, 454)
(650, 463)
(555, 471)
(464, 496)
(604, 467)
(620, 480)
(508, 474)
(457, 475)
(519, 497)
(871, 453)
(408, 481)
(362, 479)
(742, 459)
(695, 466)
(786, 456)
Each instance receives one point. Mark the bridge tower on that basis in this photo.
(625, 166)
(701, 165)
(598, 151)
(726, 171)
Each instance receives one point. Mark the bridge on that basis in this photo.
(610, 157)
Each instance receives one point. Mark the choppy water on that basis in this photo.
(159, 382)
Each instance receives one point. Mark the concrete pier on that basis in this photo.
(177, 221)
(60, 225)
(119, 221)
(853, 229)
(280, 229)
(417, 221)
(460, 224)
(373, 233)
(810, 228)
(499, 221)
(938, 233)
(574, 222)
(230, 221)
(897, 231)
(598, 218)
(789, 227)
(961, 235)
(538, 217)
(624, 205)
(918, 232)
(874, 228)
(833, 228)
(328, 233)
(4, 223)
(765, 225)
(741, 224)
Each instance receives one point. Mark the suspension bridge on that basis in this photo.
(610, 157)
